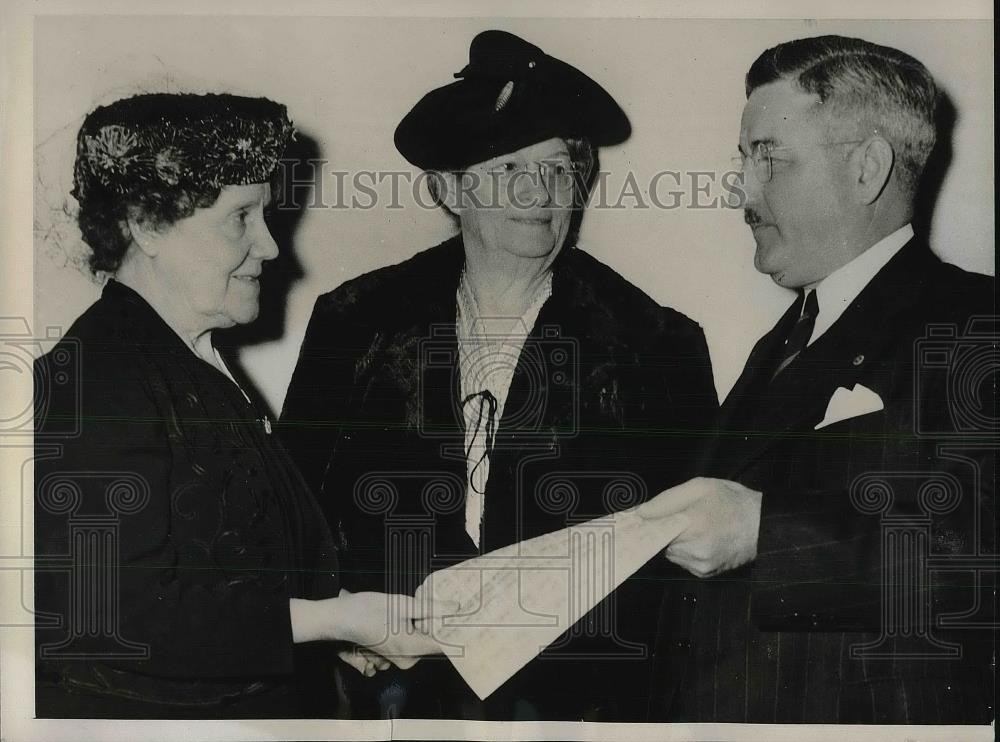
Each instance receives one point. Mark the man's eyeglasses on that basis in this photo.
(760, 158)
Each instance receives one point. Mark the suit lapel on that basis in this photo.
(741, 402)
(843, 356)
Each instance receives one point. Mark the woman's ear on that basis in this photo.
(445, 188)
(143, 232)
(875, 160)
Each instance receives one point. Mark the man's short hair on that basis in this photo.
(877, 88)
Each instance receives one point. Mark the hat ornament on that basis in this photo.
(504, 96)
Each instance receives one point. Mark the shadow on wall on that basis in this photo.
(284, 271)
(937, 167)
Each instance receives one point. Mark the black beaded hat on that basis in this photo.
(509, 96)
(159, 140)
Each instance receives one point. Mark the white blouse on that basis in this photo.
(488, 352)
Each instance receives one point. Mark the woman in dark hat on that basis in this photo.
(501, 385)
(184, 566)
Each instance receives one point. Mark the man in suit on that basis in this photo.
(843, 552)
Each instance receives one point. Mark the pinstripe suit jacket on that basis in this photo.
(827, 625)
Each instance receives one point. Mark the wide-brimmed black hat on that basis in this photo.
(509, 96)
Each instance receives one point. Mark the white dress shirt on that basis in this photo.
(488, 352)
(836, 292)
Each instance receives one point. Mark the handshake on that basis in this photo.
(382, 629)
(707, 526)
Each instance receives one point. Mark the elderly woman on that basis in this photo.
(182, 557)
(500, 385)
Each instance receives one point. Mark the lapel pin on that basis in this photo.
(858, 359)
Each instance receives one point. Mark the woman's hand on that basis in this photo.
(381, 623)
(364, 661)
(395, 627)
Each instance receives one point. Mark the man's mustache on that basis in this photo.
(752, 218)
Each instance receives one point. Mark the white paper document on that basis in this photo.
(517, 600)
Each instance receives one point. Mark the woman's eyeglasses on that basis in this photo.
(557, 174)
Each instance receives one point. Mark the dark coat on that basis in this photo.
(203, 525)
(816, 586)
(609, 403)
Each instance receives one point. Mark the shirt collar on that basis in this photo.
(836, 292)
(472, 323)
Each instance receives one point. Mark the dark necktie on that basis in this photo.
(802, 330)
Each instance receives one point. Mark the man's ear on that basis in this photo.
(144, 233)
(875, 161)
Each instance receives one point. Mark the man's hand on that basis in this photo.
(721, 520)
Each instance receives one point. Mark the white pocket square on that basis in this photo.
(845, 404)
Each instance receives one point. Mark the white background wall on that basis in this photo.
(348, 81)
